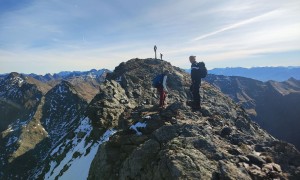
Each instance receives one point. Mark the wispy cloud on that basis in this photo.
(76, 34)
(237, 25)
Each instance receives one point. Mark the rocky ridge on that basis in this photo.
(273, 105)
(220, 142)
(32, 134)
(18, 98)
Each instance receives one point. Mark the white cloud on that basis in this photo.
(275, 31)
(74, 35)
(236, 25)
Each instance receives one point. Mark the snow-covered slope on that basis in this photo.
(31, 136)
(63, 108)
(71, 159)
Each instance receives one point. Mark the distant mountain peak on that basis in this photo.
(64, 87)
(293, 80)
(13, 74)
(15, 78)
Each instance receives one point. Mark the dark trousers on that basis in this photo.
(162, 96)
(196, 94)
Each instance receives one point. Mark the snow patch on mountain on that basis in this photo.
(19, 81)
(93, 76)
(61, 90)
(138, 125)
(11, 140)
(17, 125)
(77, 161)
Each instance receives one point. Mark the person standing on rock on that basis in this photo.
(198, 71)
(162, 89)
(155, 48)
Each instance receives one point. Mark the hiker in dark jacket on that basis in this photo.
(196, 82)
(162, 90)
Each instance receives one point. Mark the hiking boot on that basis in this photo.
(190, 103)
(162, 107)
(196, 108)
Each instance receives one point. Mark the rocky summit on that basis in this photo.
(218, 142)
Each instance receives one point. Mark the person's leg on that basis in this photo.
(196, 95)
(199, 97)
(161, 96)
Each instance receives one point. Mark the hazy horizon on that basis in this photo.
(66, 35)
(113, 69)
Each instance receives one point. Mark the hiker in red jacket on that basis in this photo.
(162, 90)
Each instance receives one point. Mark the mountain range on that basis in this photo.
(37, 114)
(110, 127)
(260, 73)
(93, 73)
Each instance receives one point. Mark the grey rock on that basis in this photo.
(254, 159)
(235, 151)
(226, 131)
(230, 171)
(243, 158)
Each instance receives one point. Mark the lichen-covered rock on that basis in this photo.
(107, 106)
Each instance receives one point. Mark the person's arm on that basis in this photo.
(165, 83)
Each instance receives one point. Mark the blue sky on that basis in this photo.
(41, 36)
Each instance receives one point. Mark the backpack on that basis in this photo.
(202, 70)
(158, 80)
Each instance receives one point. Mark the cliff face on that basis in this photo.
(218, 142)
